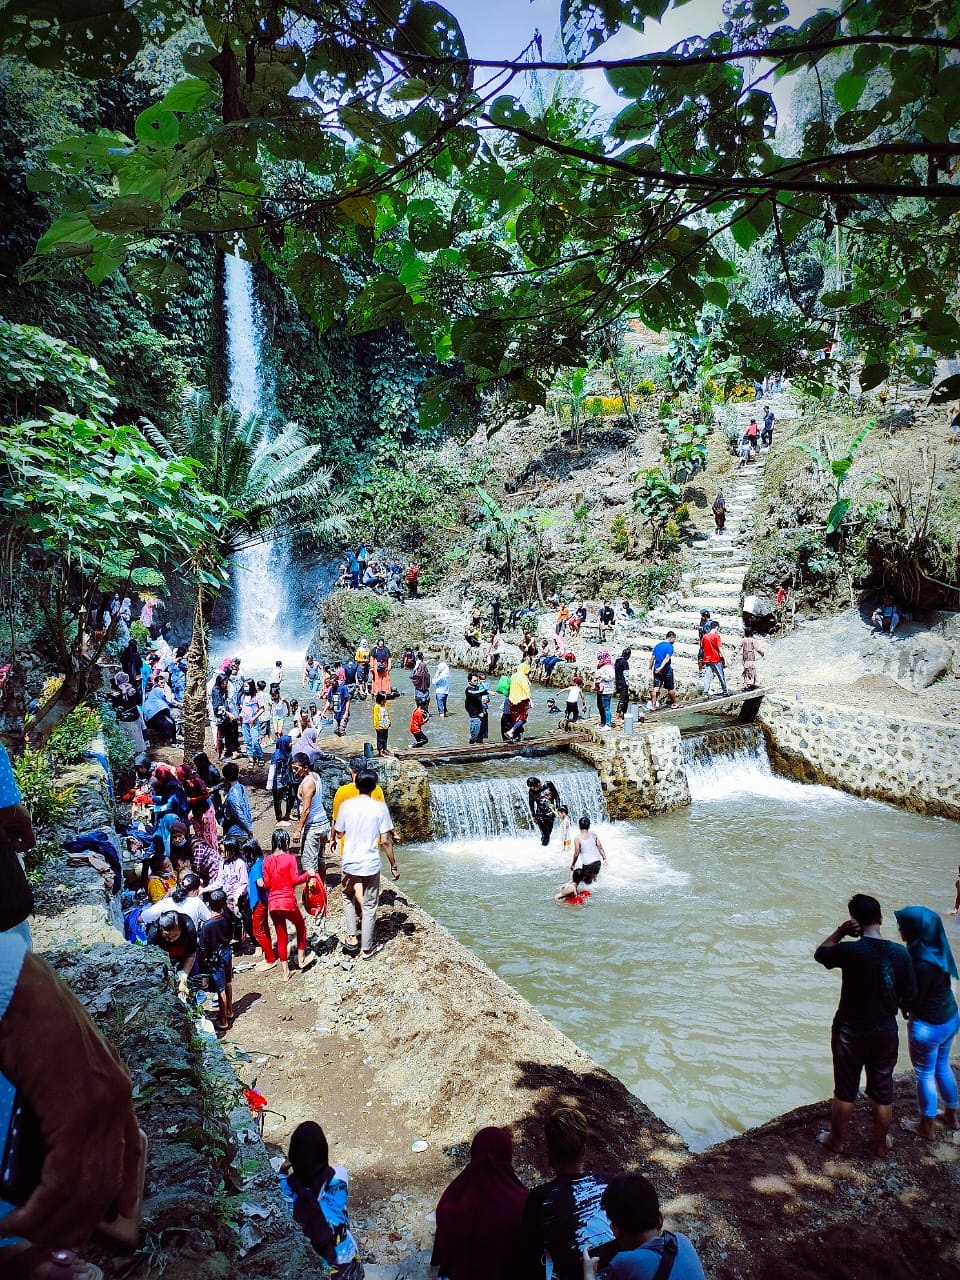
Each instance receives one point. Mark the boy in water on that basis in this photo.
(420, 739)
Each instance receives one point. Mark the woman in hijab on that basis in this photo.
(441, 688)
(307, 743)
(605, 683)
(205, 859)
(280, 779)
(169, 802)
(203, 819)
(211, 777)
(478, 1217)
(520, 701)
(380, 668)
(320, 1201)
(125, 700)
(932, 1017)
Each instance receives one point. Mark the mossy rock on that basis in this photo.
(347, 615)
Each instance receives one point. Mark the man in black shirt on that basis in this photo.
(877, 980)
(544, 800)
(475, 700)
(564, 1216)
(621, 683)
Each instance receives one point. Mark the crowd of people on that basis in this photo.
(360, 568)
(206, 887)
(575, 1226)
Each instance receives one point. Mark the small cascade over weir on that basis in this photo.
(480, 808)
(732, 761)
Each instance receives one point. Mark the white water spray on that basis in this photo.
(479, 808)
(259, 570)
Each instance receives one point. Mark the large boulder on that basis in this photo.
(842, 649)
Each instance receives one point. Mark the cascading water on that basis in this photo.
(731, 762)
(259, 574)
(497, 806)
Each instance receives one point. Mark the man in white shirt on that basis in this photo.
(367, 829)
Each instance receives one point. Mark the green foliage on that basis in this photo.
(655, 500)
(648, 585)
(37, 370)
(620, 535)
(120, 750)
(506, 525)
(839, 468)
(263, 478)
(72, 736)
(47, 802)
(504, 233)
(684, 448)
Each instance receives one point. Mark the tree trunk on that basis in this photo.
(198, 657)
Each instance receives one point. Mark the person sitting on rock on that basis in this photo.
(565, 1215)
(886, 617)
(478, 1216)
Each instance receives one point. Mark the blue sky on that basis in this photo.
(502, 28)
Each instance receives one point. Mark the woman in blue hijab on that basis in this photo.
(933, 1018)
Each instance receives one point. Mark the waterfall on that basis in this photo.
(260, 570)
(497, 806)
(734, 761)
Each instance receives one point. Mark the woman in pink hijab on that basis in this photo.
(478, 1217)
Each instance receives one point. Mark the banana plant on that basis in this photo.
(839, 468)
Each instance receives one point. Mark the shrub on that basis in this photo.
(72, 737)
(120, 750)
(47, 803)
(620, 534)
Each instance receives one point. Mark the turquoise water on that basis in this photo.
(690, 973)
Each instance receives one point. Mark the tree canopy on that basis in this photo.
(387, 176)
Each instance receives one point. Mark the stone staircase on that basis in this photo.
(713, 581)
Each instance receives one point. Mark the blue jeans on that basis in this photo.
(930, 1054)
(603, 701)
(442, 704)
(251, 740)
(475, 724)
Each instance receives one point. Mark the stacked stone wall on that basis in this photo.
(881, 756)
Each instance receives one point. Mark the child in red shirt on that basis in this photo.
(416, 727)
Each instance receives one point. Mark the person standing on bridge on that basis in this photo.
(713, 664)
(749, 648)
(661, 664)
(544, 801)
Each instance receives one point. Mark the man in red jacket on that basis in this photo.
(712, 648)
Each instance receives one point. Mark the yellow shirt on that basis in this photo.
(381, 716)
(348, 791)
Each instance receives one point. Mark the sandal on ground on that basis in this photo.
(368, 955)
(351, 948)
(36, 1263)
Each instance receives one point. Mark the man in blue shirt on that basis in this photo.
(630, 1202)
(661, 664)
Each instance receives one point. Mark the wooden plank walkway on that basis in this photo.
(749, 700)
(478, 751)
(467, 753)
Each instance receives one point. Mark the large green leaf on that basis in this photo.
(540, 231)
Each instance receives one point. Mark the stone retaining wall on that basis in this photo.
(212, 1207)
(905, 761)
(640, 774)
